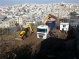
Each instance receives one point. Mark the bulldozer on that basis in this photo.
(26, 32)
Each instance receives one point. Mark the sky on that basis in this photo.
(13, 2)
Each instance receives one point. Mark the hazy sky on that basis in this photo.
(12, 2)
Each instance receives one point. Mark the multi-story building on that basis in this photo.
(20, 20)
(8, 23)
(38, 11)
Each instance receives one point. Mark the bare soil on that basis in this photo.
(10, 48)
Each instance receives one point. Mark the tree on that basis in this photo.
(17, 26)
(1, 31)
(73, 15)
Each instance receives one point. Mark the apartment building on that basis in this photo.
(20, 20)
(8, 23)
(38, 11)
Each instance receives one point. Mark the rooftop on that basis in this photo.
(0, 22)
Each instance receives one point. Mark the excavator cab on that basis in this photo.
(21, 34)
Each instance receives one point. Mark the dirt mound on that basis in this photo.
(10, 48)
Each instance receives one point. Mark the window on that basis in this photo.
(7, 26)
(41, 30)
(6, 23)
(64, 25)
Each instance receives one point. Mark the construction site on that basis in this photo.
(61, 44)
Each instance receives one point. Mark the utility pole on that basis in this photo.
(58, 15)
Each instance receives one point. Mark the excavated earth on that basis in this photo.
(10, 48)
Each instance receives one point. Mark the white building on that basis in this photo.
(8, 23)
(64, 26)
(20, 20)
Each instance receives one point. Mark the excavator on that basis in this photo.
(26, 32)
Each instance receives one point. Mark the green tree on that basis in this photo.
(73, 15)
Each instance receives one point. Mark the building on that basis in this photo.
(0, 24)
(20, 20)
(64, 26)
(8, 23)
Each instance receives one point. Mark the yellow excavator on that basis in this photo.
(26, 32)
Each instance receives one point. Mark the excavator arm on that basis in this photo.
(46, 19)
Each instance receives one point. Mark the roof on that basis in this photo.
(0, 22)
(42, 26)
(2, 17)
(64, 23)
(8, 19)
